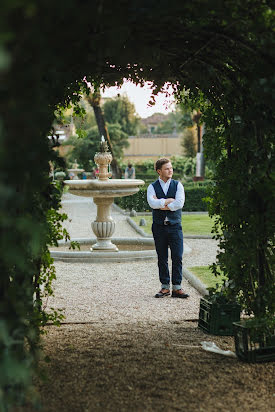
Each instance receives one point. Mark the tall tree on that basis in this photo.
(191, 111)
(94, 99)
(196, 117)
(188, 143)
(86, 147)
(120, 110)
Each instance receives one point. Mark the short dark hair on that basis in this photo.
(161, 162)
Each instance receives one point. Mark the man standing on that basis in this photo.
(130, 172)
(166, 198)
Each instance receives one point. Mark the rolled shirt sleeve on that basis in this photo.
(179, 199)
(154, 203)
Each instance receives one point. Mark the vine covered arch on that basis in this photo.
(221, 52)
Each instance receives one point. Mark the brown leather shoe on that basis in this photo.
(179, 294)
(162, 293)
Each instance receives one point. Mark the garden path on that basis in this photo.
(119, 292)
(121, 350)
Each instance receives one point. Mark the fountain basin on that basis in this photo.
(103, 191)
(145, 246)
(110, 188)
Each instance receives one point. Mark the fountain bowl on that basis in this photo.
(104, 188)
(145, 245)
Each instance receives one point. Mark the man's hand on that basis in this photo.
(169, 200)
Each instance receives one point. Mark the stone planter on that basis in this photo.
(60, 175)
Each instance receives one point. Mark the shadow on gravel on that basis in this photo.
(141, 367)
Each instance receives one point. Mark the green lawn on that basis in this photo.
(191, 224)
(206, 276)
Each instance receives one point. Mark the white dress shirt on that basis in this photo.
(160, 203)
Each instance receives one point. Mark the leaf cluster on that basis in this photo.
(223, 50)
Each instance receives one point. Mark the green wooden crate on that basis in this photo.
(217, 318)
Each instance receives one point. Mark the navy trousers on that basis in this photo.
(164, 237)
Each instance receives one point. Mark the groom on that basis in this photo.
(166, 198)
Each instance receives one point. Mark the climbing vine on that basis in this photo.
(48, 50)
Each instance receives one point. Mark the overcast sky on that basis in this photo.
(140, 96)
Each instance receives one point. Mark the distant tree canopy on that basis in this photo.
(120, 110)
(171, 124)
(85, 122)
(84, 148)
(175, 121)
(120, 117)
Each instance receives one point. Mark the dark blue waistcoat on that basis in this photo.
(159, 215)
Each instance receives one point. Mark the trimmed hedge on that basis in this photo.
(152, 176)
(138, 202)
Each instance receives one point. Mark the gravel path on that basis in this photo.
(122, 350)
(119, 292)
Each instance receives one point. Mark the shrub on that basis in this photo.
(193, 202)
(183, 166)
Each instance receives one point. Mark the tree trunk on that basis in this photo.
(200, 166)
(199, 137)
(94, 100)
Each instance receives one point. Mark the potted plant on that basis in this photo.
(60, 175)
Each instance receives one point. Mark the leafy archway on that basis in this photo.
(220, 51)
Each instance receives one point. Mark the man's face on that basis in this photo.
(166, 171)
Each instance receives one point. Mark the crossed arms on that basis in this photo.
(171, 204)
(166, 203)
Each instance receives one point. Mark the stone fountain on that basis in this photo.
(75, 170)
(103, 191)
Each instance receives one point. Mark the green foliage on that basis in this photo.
(86, 122)
(118, 138)
(188, 143)
(183, 167)
(138, 201)
(120, 111)
(20, 347)
(86, 147)
(60, 175)
(171, 124)
(245, 153)
(194, 200)
(229, 59)
(262, 330)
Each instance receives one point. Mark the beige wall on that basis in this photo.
(152, 148)
(63, 150)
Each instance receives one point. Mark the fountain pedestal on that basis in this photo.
(104, 225)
